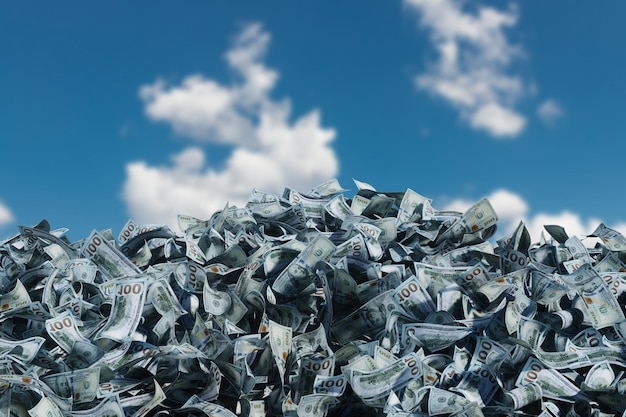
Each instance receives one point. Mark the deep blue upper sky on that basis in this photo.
(71, 118)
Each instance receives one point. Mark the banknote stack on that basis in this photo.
(315, 304)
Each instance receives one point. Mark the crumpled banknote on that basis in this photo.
(314, 304)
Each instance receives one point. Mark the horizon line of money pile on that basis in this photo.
(314, 304)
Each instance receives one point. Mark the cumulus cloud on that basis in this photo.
(6, 216)
(511, 208)
(204, 109)
(550, 111)
(270, 151)
(474, 55)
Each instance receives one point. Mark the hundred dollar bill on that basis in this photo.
(388, 232)
(601, 353)
(296, 276)
(257, 408)
(233, 257)
(466, 254)
(492, 292)
(370, 318)
(545, 290)
(572, 265)
(600, 303)
(553, 384)
(311, 366)
(433, 337)
(338, 207)
(563, 359)
(81, 385)
(216, 302)
(45, 407)
(81, 273)
(522, 396)
(158, 398)
(532, 331)
(363, 363)
(35, 232)
(578, 250)
(410, 205)
(315, 405)
(516, 308)
(409, 397)
(311, 342)
(109, 260)
(193, 251)
(383, 357)
(379, 206)
(413, 299)
(128, 302)
(587, 338)
(612, 239)
(327, 189)
(162, 297)
(83, 354)
(444, 402)
(58, 256)
(330, 385)
(33, 383)
(280, 342)
(512, 260)
(371, 234)
(15, 299)
(477, 218)
(129, 230)
(22, 351)
(473, 278)
(489, 353)
(63, 329)
(292, 218)
(477, 385)
(370, 289)
(358, 204)
(620, 328)
(610, 263)
(313, 207)
(599, 377)
(378, 383)
(435, 278)
(235, 311)
(354, 247)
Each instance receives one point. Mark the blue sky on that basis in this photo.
(112, 110)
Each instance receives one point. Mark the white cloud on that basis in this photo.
(6, 216)
(511, 208)
(497, 120)
(270, 151)
(471, 70)
(204, 109)
(550, 111)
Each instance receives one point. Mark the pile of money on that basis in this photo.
(314, 304)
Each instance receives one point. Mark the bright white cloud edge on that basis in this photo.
(511, 208)
(271, 151)
(474, 56)
(6, 216)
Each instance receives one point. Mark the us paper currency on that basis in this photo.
(313, 303)
(110, 261)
